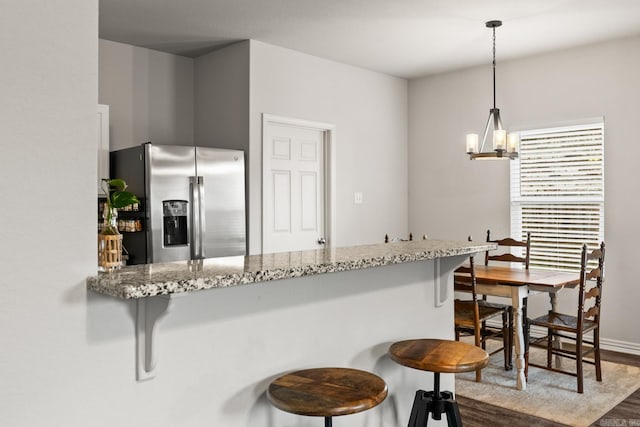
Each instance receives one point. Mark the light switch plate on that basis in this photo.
(357, 198)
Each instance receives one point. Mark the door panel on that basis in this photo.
(309, 201)
(293, 188)
(281, 201)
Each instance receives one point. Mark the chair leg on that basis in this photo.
(506, 343)
(477, 340)
(549, 347)
(483, 335)
(579, 363)
(527, 338)
(596, 353)
(327, 422)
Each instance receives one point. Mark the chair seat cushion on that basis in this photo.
(464, 312)
(563, 322)
(497, 305)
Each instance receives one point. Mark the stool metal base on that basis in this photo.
(436, 403)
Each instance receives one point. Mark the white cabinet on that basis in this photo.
(103, 143)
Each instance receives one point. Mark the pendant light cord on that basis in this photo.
(494, 67)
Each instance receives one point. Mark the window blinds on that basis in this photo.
(557, 193)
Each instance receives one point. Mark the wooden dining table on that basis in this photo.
(517, 284)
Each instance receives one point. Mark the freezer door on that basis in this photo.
(223, 220)
(170, 171)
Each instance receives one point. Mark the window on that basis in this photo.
(557, 193)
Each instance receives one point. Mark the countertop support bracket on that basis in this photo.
(149, 311)
(444, 285)
(440, 288)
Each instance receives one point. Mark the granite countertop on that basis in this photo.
(140, 281)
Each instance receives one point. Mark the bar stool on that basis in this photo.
(437, 356)
(327, 392)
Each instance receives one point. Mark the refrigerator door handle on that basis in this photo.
(195, 217)
(202, 228)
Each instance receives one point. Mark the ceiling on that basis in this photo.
(404, 38)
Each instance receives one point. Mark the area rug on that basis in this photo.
(551, 395)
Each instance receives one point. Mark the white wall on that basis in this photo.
(50, 373)
(150, 95)
(370, 113)
(451, 196)
(222, 98)
(222, 104)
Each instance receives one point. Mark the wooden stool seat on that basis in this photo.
(327, 392)
(439, 355)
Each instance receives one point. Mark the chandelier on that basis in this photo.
(504, 146)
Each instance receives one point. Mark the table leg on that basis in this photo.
(518, 293)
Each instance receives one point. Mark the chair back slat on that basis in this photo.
(592, 293)
(592, 312)
(507, 257)
(464, 270)
(595, 254)
(508, 243)
(593, 274)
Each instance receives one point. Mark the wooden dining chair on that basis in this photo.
(471, 314)
(505, 254)
(574, 327)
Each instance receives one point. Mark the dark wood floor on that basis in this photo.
(479, 414)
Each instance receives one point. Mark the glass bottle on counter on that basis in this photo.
(109, 241)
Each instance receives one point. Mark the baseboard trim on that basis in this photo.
(620, 346)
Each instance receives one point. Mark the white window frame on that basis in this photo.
(570, 211)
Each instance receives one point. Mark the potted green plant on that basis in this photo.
(116, 198)
(110, 239)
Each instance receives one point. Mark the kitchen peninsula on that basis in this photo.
(268, 314)
(168, 278)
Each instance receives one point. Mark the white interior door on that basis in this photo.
(293, 188)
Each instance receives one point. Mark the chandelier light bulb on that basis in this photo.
(472, 143)
(513, 141)
(499, 139)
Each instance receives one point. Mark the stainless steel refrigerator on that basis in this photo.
(192, 202)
